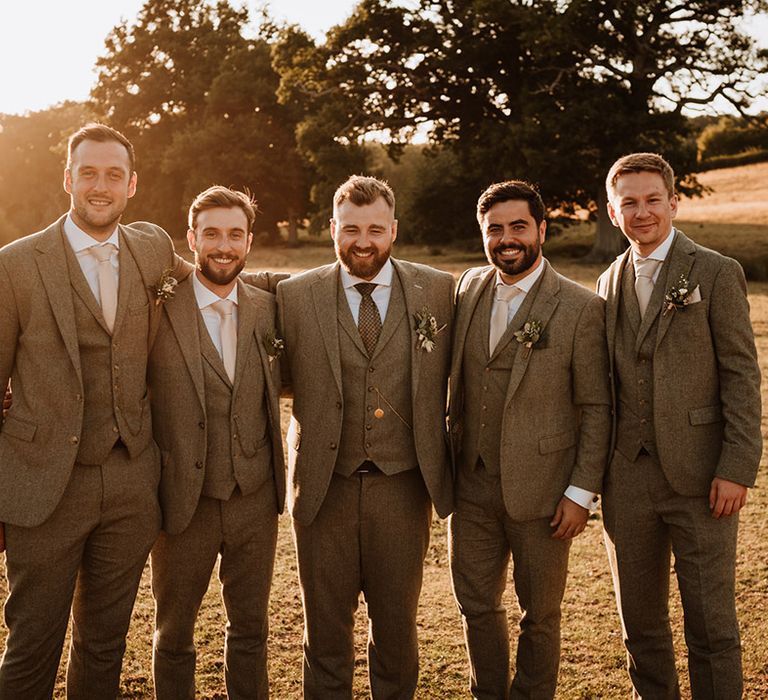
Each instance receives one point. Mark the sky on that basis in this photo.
(48, 48)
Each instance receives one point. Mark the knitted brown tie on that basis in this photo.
(368, 320)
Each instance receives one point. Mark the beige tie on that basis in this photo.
(645, 268)
(107, 281)
(500, 314)
(225, 308)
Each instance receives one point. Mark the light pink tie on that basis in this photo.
(107, 282)
(225, 309)
(645, 268)
(500, 314)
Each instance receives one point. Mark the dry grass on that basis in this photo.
(739, 196)
(592, 655)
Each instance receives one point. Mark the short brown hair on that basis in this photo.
(101, 133)
(641, 163)
(362, 190)
(511, 190)
(220, 196)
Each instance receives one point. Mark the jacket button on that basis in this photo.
(114, 429)
(198, 465)
(338, 403)
(332, 445)
(370, 369)
(74, 439)
(367, 427)
(201, 425)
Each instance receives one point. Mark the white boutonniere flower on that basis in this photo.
(165, 289)
(680, 295)
(426, 329)
(528, 336)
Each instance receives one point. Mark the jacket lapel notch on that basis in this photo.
(326, 287)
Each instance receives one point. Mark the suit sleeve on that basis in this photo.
(267, 281)
(739, 375)
(285, 370)
(591, 392)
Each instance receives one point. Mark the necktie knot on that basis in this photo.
(224, 307)
(646, 267)
(506, 292)
(102, 252)
(365, 288)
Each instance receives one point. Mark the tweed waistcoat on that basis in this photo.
(108, 375)
(634, 368)
(380, 382)
(485, 381)
(238, 450)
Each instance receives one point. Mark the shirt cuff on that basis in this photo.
(586, 499)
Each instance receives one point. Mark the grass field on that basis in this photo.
(592, 652)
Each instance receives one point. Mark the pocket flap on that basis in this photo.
(704, 415)
(21, 429)
(558, 441)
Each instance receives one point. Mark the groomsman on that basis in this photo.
(687, 440)
(367, 349)
(215, 384)
(530, 422)
(78, 466)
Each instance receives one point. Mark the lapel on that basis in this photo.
(544, 304)
(395, 314)
(125, 286)
(183, 317)
(466, 311)
(414, 292)
(325, 299)
(259, 322)
(681, 258)
(51, 262)
(613, 299)
(628, 302)
(83, 290)
(246, 326)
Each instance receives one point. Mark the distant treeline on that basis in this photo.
(548, 91)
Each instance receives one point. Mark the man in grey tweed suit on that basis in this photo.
(216, 419)
(530, 423)
(687, 440)
(367, 349)
(78, 467)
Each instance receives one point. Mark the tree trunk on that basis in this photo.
(609, 240)
(293, 230)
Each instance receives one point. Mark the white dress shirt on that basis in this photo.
(205, 297)
(80, 242)
(380, 295)
(659, 254)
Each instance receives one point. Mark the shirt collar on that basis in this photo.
(384, 278)
(525, 284)
(205, 297)
(660, 253)
(80, 240)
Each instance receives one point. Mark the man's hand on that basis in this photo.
(2, 537)
(726, 497)
(570, 519)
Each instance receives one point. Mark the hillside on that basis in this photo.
(739, 196)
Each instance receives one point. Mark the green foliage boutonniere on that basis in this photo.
(528, 336)
(426, 329)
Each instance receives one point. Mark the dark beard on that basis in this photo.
(366, 270)
(216, 276)
(519, 266)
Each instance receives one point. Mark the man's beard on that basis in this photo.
(220, 277)
(364, 269)
(519, 265)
